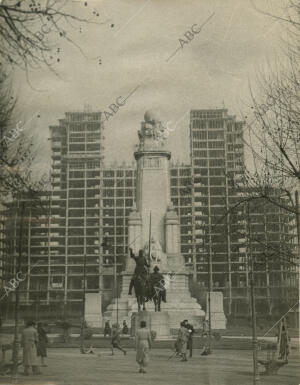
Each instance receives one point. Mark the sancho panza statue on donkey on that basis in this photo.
(157, 288)
(146, 287)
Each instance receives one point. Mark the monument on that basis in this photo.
(153, 198)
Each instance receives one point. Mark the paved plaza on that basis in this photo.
(223, 367)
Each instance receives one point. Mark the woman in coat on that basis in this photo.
(29, 343)
(182, 339)
(143, 345)
(42, 343)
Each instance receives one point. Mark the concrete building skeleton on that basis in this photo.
(88, 208)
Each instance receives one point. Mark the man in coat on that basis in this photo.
(29, 343)
(191, 330)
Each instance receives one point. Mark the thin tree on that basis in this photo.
(273, 136)
(16, 186)
(28, 28)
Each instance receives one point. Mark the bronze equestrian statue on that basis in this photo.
(140, 279)
(147, 287)
(157, 288)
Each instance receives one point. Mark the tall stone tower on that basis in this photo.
(153, 200)
(153, 182)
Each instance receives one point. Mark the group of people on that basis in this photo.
(184, 340)
(143, 342)
(183, 343)
(34, 342)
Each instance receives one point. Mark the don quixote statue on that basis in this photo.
(146, 286)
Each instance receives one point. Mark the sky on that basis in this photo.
(130, 50)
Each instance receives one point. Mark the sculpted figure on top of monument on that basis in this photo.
(157, 256)
(152, 128)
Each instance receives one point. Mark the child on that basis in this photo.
(116, 339)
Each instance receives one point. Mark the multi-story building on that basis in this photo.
(220, 251)
(217, 159)
(82, 221)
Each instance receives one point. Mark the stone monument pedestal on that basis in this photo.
(93, 314)
(218, 319)
(180, 305)
(155, 321)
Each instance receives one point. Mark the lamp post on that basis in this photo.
(16, 342)
(83, 306)
(117, 298)
(116, 286)
(252, 299)
(298, 220)
(37, 303)
(209, 303)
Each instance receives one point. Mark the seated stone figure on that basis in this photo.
(157, 256)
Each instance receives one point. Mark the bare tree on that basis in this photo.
(28, 26)
(16, 185)
(17, 151)
(274, 135)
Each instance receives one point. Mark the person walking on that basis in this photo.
(191, 331)
(125, 328)
(66, 327)
(107, 329)
(182, 340)
(42, 343)
(283, 341)
(205, 337)
(116, 339)
(143, 345)
(29, 343)
(205, 328)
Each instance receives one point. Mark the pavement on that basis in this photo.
(222, 367)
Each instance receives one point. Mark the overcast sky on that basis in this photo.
(133, 43)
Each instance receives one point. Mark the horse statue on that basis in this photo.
(139, 280)
(157, 290)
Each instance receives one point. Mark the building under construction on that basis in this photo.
(76, 236)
